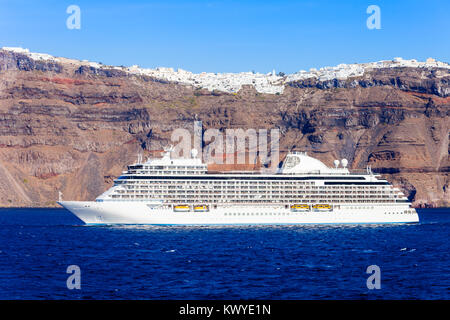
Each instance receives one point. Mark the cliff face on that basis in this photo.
(71, 128)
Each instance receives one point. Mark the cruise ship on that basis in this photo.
(168, 191)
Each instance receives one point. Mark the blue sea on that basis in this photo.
(287, 262)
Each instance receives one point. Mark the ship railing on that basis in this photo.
(320, 173)
(312, 173)
(234, 172)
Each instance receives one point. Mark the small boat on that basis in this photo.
(201, 208)
(299, 207)
(181, 208)
(322, 207)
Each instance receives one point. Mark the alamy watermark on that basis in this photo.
(374, 280)
(374, 20)
(74, 280)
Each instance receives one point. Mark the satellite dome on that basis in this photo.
(336, 163)
(344, 162)
(194, 153)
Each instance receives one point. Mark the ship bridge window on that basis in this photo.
(135, 167)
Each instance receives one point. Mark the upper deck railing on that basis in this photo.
(315, 173)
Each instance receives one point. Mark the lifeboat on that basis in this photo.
(201, 208)
(181, 208)
(322, 207)
(299, 207)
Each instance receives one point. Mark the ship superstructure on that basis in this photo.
(168, 191)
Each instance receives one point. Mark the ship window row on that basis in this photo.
(259, 196)
(168, 172)
(292, 199)
(365, 185)
(225, 190)
(284, 199)
(159, 167)
(250, 200)
(258, 193)
(251, 185)
(215, 190)
(257, 186)
(296, 192)
(282, 179)
(209, 187)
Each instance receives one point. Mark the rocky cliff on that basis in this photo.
(72, 127)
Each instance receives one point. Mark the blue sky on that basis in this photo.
(229, 36)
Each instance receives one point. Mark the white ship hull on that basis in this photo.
(137, 212)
